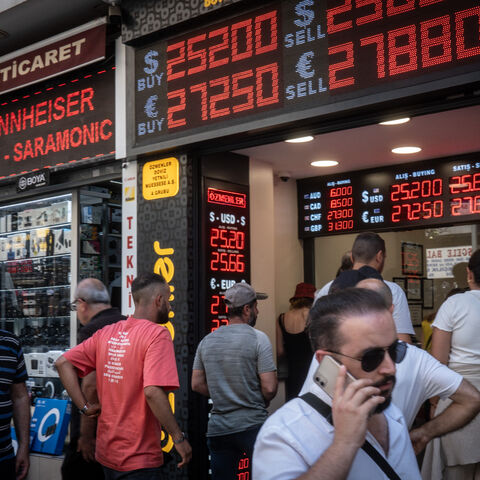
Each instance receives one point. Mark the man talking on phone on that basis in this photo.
(358, 434)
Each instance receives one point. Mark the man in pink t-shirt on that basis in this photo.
(135, 364)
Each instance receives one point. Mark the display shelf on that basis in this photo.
(34, 288)
(30, 229)
(36, 258)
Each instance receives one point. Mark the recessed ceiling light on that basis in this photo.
(324, 163)
(406, 150)
(397, 121)
(308, 138)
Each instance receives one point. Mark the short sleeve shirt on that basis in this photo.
(12, 370)
(232, 357)
(128, 356)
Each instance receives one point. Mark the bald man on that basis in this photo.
(420, 377)
(92, 304)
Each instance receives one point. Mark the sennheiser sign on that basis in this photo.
(40, 178)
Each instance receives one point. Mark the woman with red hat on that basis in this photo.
(293, 344)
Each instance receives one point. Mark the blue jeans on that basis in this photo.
(226, 451)
(140, 474)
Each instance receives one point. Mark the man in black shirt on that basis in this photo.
(92, 304)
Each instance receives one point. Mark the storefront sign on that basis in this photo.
(160, 178)
(440, 261)
(53, 57)
(129, 234)
(293, 60)
(57, 125)
(33, 180)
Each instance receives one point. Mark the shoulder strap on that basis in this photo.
(326, 411)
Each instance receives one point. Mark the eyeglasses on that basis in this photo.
(373, 357)
(73, 305)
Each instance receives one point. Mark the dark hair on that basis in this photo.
(474, 266)
(346, 263)
(301, 302)
(329, 311)
(366, 246)
(141, 285)
(237, 311)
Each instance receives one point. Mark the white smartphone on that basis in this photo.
(326, 375)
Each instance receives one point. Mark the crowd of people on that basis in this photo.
(354, 386)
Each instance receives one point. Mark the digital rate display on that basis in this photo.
(297, 57)
(434, 192)
(227, 241)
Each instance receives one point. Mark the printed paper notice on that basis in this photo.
(160, 178)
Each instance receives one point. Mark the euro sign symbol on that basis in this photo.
(306, 14)
(213, 283)
(365, 217)
(151, 62)
(304, 65)
(150, 108)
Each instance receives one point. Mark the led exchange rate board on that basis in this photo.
(292, 60)
(434, 192)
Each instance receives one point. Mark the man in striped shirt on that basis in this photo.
(14, 402)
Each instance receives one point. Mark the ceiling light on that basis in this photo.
(324, 163)
(406, 150)
(397, 121)
(308, 138)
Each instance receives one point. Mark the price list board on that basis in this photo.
(294, 60)
(227, 241)
(435, 192)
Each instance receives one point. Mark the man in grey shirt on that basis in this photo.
(234, 367)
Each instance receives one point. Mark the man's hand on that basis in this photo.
(419, 438)
(22, 462)
(351, 408)
(93, 410)
(185, 451)
(86, 446)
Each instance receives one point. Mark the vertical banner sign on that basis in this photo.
(163, 209)
(129, 234)
(227, 230)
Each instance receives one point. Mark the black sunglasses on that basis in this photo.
(373, 357)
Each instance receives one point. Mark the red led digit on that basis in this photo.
(269, 18)
(246, 26)
(217, 322)
(455, 206)
(223, 45)
(202, 89)
(224, 262)
(238, 91)
(373, 17)
(333, 27)
(240, 241)
(397, 9)
(378, 41)
(192, 54)
(437, 187)
(455, 185)
(476, 182)
(398, 53)
(427, 210)
(223, 238)
(394, 193)
(171, 62)
(404, 191)
(214, 305)
(240, 263)
(415, 211)
(334, 68)
(214, 261)
(271, 72)
(426, 188)
(223, 82)
(429, 43)
(415, 190)
(214, 235)
(179, 122)
(460, 17)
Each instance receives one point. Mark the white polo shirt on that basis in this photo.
(419, 377)
(401, 312)
(296, 435)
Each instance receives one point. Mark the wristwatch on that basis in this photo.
(181, 439)
(83, 410)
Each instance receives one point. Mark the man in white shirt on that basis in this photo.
(356, 329)
(420, 377)
(368, 255)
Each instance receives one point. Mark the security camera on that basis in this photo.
(284, 176)
(124, 164)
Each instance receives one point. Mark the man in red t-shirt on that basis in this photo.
(135, 364)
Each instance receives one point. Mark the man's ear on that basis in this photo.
(319, 354)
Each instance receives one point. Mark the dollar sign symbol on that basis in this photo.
(365, 197)
(151, 62)
(305, 13)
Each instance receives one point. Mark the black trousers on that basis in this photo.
(74, 467)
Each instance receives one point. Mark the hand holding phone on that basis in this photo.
(326, 375)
